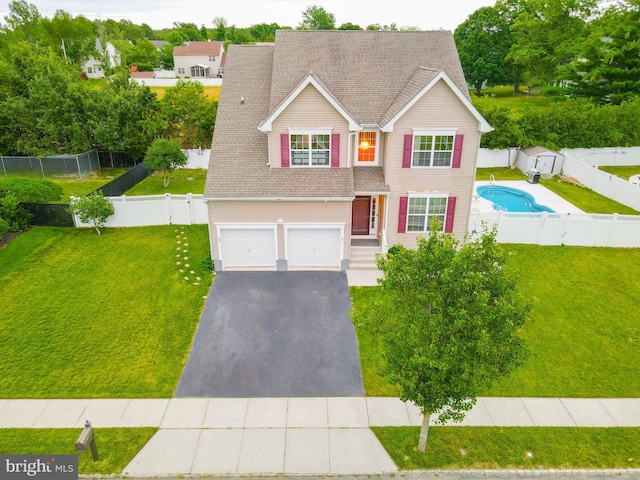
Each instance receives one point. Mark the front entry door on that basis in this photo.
(360, 216)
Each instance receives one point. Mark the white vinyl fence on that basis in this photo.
(147, 210)
(603, 183)
(198, 158)
(610, 156)
(488, 158)
(586, 230)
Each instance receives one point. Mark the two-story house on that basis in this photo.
(324, 138)
(199, 60)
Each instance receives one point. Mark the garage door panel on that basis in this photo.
(314, 247)
(247, 247)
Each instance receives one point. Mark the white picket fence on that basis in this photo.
(586, 230)
(148, 210)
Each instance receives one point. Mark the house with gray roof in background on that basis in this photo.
(327, 142)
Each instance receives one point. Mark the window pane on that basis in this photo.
(437, 206)
(421, 159)
(299, 157)
(300, 141)
(415, 223)
(422, 142)
(443, 142)
(441, 159)
(440, 219)
(367, 146)
(319, 158)
(418, 206)
(319, 142)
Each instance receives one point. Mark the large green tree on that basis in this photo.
(483, 42)
(317, 18)
(608, 69)
(448, 316)
(548, 35)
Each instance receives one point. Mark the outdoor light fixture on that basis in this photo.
(241, 100)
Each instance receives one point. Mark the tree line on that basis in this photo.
(576, 48)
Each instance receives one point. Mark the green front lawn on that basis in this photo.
(184, 180)
(99, 316)
(116, 446)
(586, 200)
(582, 333)
(530, 448)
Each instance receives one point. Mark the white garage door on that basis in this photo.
(247, 248)
(314, 247)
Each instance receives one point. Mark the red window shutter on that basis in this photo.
(402, 216)
(335, 150)
(457, 151)
(407, 152)
(451, 211)
(284, 150)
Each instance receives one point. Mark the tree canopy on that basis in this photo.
(448, 316)
(165, 156)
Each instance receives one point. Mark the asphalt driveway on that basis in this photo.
(274, 334)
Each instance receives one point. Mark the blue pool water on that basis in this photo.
(509, 199)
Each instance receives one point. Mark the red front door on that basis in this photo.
(360, 216)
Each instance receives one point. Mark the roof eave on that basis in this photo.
(483, 125)
(267, 124)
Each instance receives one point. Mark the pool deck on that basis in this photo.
(542, 195)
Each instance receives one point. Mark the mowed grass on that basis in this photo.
(184, 180)
(529, 448)
(78, 187)
(624, 172)
(503, 96)
(585, 199)
(499, 173)
(99, 316)
(212, 92)
(583, 333)
(116, 446)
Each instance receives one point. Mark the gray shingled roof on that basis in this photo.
(369, 180)
(372, 74)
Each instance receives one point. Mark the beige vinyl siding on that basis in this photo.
(308, 110)
(438, 109)
(267, 212)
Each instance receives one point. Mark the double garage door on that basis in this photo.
(256, 248)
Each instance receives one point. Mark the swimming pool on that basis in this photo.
(507, 199)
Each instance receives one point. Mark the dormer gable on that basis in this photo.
(314, 81)
(409, 97)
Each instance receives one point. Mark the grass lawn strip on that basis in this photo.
(116, 446)
(585, 199)
(183, 181)
(485, 448)
(583, 335)
(624, 172)
(500, 173)
(99, 316)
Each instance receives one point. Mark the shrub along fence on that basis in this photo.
(116, 160)
(49, 214)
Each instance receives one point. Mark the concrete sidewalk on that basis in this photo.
(326, 435)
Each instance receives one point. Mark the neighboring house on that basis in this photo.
(159, 43)
(93, 66)
(327, 138)
(199, 60)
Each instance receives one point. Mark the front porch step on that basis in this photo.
(363, 258)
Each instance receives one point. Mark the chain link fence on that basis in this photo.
(81, 165)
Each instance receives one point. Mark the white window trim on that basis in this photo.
(311, 226)
(309, 132)
(355, 158)
(427, 220)
(447, 132)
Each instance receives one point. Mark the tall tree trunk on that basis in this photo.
(424, 432)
